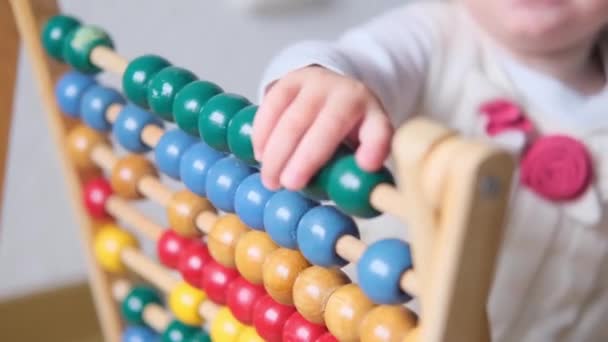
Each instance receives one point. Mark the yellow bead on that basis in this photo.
(222, 239)
(280, 271)
(250, 335)
(81, 142)
(183, 209)
(251, 252)
(413, 335)
(109, 243)
(387, 323)
(345, 311)
(312, 289)
(184, 301)
(225, 328)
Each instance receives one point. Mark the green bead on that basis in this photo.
(189, 102)
(177, 331)
(55, 32)
(164, 86)
(350, 187)
(239, 134)
(137, 76)
(316, 188)
(200, 337)
(79, 45)
(133, 305)
(215, 117)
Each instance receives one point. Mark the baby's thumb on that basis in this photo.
(374, 141)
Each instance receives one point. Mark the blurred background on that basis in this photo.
(228, 42)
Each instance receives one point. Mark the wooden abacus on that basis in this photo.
(267, 266)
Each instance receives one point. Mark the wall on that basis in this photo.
(39, 245)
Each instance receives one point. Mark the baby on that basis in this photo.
(527, 74)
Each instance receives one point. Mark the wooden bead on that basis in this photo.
(312, 289)
(225, 327)
(127, 173)
(413, 335)
(280, 271)
(251, 252)
(109, 243)
(387, 323)
(183, 209)
(222, 239)
(81, 142)
(184, 301)
(345, 311)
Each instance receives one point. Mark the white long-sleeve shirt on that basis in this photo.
(552, 277)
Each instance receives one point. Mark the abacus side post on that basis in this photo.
(471, 220)
(9, 56)
(29, 16)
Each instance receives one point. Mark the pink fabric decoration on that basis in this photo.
(557, 167)
(503, 115)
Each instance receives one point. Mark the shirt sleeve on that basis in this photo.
(390, 55)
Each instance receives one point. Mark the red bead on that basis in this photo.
(96, 193)
(328, 337)
(503, 115)
(241, 298)
(557, 167)
(169, 247)
(215, 280)
(192, 261)
(269, 318)
(297, 329)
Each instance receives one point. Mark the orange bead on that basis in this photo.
(183, 209)
(223, 238)
(280, 271)
(345, 310)
(251, 252)
(412, 336)
(387, 323)
(127, 173)
(81, 142)
(312, 289)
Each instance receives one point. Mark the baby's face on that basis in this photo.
(540, 26)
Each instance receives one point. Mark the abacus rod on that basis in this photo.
(160, 277)
(120, 209)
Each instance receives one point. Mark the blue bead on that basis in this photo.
(318, 232)
(223, 179)
(95, 103)
(128, 127)
(170, 149)
(282, 214)
(250, 200)
(139, 334)
(195, 164)
(380, 270)
(69, 90)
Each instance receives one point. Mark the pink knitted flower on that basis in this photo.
(557, 167)
(503, 115)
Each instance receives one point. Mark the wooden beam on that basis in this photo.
(9, 58)
(30, 15)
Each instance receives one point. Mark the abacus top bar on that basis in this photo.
(202, 108)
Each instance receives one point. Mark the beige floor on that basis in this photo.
(61, 315)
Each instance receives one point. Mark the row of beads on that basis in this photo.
(223, 120)
(292, 220)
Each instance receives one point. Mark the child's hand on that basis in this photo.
(306, 115)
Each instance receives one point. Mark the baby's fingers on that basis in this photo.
(375, 139)
(286, 135)
(330, 128)
(276, 101)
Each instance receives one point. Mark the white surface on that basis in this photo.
(39, 245)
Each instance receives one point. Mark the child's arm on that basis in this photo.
(316, 94)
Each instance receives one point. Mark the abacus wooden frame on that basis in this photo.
(454, 199)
